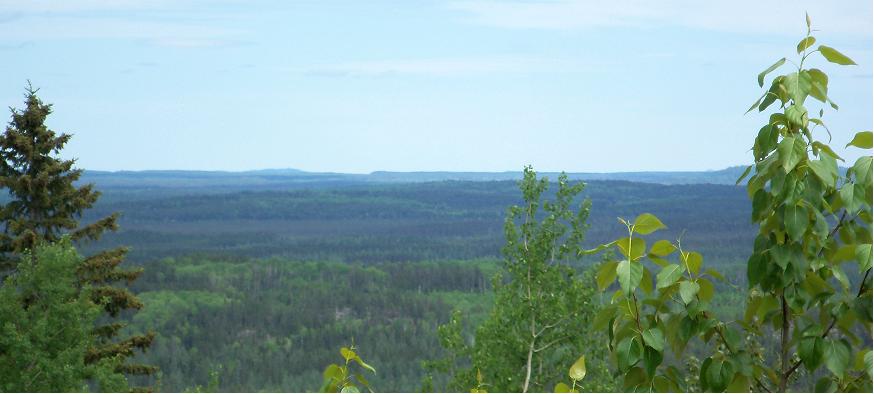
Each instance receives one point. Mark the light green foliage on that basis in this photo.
(812, 222)
(644, 322)
(533, 333)
(46, 326)
(340, 378)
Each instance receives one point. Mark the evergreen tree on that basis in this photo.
(46, 324)
(45, 205)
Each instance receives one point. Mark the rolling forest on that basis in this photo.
(752, 278)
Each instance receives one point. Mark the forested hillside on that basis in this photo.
(268, 284)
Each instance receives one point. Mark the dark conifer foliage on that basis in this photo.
(45, 204)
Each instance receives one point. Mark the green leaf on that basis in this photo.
(646, 281)
(668, 275)
(647, 223)
(834, 56)
(606, 275)
(773, 67)
(740, 384)
(651, 360)
(630, 274)
(688, 291)
(706, 291)
(638, 247)
(654, 338)
(790, 152)
(628, 352)
(823, 171)
(744, 175)
(561, 388)
(862, 140)
(805, 43)
(662, 248)
(693, 260)
(578, 370)
(349, 389)
(364, 364)
(863, 256)
(796, 221)
(812, 352)
(719, 374)
(847, 194)
(347, 353)
(837, 356)
(868, 364)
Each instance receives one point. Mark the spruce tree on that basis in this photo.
(45, 204)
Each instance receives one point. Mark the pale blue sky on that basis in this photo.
(358, 86)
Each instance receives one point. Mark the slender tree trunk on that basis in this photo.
(528, 366)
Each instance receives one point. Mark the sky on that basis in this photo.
(455, 85)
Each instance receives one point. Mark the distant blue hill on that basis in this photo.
(279, 178)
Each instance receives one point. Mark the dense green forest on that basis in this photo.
(269, 284)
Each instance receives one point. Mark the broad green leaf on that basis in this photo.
(347, 353)
(796, 221)
(719, 374)
(812, 352)
(688, 291)
(847, 194)
(561, 388)
(820, 84)
(654, 338)
(662, 248)
(651, 360)
(790, 151)
(628, 352)
(606, 275)
(668, 275)
(822, 170)
(805, 43)
(578, 370)
(837, 356)
(773, 67)
(629, 274)
(834, 56)
(333, 372)
(637, 245)
(862, 140)
(740, 384)
(693, 260)
(706, 289)
(349, 389)
(797, 115)
(863, 256)
(826, 149)
(646, 281)
(841, 276)
(647, 223)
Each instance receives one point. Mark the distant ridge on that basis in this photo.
(277, 179)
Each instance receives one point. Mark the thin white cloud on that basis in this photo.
(450, 67)
(144, 21)
(847, 17)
